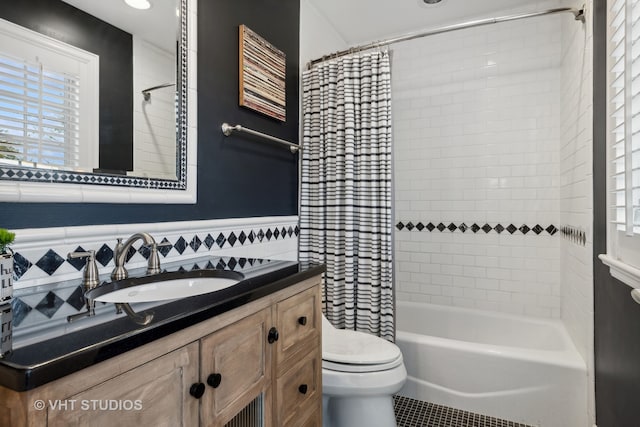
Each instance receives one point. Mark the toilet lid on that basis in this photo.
(357, 348)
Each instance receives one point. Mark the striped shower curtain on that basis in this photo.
(345, 209)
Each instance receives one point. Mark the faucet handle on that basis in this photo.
(90, 276)
(153, 264)
(159, 245)
(119, 246)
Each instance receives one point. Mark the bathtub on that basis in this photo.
(517, 368)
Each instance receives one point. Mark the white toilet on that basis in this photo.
(360, 374)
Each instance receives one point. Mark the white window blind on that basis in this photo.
(48, 101)
(624, 94)
(623, 237)
(39, 114)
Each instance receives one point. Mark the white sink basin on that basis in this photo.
(170, 289)
(164, 287)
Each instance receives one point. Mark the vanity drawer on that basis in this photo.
(298, 321)
(299, 391)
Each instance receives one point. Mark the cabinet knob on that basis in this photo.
(214, 380)
(196, 390)
(302, 320)
(273, 335)
(303, 388)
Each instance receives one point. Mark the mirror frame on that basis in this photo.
(39, 185)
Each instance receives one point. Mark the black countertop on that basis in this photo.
(36, 364)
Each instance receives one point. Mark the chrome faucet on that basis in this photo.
(120, 255)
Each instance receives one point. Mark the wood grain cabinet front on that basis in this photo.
(298, 323)
(153, 394)
(299, 390)
(236, 367)
(298, 381)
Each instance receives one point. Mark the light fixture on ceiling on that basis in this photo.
(138, 4)
(431, 1)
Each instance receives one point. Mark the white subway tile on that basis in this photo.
(495, 127)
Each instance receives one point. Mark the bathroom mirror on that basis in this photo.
(160, 161)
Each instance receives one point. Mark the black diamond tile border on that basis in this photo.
(209, 241)
(416, 413)
(78, 263)
(76, 299)
(180, 245)
(104, 255)
(20, 265)
(52, 260)
(573, 234)
(195, 243)
(49, 304)
(20, 311)
(486, 228)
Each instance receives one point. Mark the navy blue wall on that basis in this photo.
(237, 176)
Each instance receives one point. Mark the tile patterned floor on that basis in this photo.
(415, 413)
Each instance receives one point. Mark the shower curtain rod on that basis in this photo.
(577, 13)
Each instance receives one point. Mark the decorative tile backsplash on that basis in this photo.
(51, 261)
(47, 283)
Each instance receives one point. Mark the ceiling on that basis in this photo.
(151, 24)
(361, 21)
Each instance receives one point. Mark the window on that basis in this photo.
(48, 101)
(624, 137)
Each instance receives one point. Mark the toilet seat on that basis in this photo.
(345, 367)
(352, 351)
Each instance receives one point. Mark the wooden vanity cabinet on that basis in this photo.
(267, 351)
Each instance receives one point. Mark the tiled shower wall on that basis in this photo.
(153, 121)
(576, 191)
(477, 141)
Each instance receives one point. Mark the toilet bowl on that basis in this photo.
(360, 374)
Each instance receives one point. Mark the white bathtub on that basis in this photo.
(518, 368)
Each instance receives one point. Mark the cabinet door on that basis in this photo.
(235, 365)
(154, 394)
(299, 390)
(298, 323)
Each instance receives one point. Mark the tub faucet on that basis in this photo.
(120, 255)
